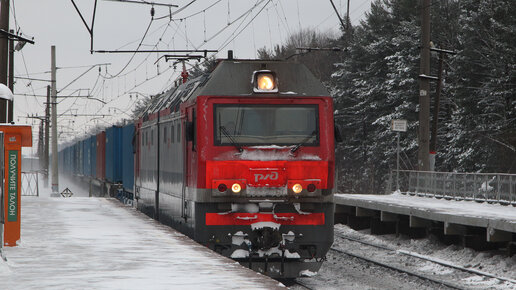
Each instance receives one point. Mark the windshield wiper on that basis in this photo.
(230, 137)
(294, 149)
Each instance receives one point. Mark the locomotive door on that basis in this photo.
(184, 122)
(189, 155)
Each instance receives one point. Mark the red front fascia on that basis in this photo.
(213, 159)
(246, 219)
(287, 170)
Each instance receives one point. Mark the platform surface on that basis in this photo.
(98, 243)
(461, 212)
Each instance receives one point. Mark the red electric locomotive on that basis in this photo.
(242, 161)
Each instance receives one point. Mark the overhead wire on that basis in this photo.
(269, 25)
(17, 29)
(134, 54)
(13, 8)
(237, 31)
(232, 22)
(125, 91)
(289, 32)
(139, 39)
(236, 35)
(278, 21)
(191, 15)
(242, 22)
(177, 11)
(178, 30)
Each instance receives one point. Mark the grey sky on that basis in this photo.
(122, 26)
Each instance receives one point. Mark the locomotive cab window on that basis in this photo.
(263, 125)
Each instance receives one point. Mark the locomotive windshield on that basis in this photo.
(262, 125)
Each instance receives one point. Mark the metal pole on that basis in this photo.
(55, 180)
(10, 104)
(4, 54)
(47, 138)
(435, 120)
(424, 89)
(398, 164)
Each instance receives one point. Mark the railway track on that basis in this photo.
(296, 283)
(412, 272)
(301, 284)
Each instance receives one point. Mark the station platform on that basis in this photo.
(98, 243)
(456, 217)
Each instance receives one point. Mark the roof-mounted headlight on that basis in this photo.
(265, 81)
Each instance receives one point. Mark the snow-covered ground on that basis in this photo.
(344, 272)
(464, 208)
(98, 243)
(493, 262)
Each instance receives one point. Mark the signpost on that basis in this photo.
(398, 126)
(15, 137)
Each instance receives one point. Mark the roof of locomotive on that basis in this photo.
(234, 78)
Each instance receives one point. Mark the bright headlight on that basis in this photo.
(265, 82)
(236, 188)
(297, 188)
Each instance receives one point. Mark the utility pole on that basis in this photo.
(55, 178)
(4, 53)
(10, 103)
(47, 137)
(435, 119)
(424, 89)
(348, 20)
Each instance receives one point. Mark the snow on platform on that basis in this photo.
(97, 243)
(468, 213)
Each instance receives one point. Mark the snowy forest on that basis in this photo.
(375, 80)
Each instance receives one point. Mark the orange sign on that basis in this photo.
(15, 137)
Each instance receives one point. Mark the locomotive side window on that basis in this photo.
(266, 124)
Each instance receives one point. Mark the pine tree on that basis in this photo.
(484, 87)
(376, 83)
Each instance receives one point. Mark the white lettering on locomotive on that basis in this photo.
(271, 176)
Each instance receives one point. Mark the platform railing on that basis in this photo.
(30, 184)
(480, 187)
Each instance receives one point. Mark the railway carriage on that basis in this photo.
(242, 161)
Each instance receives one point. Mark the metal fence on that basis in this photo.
(481, 187)
(30, 184)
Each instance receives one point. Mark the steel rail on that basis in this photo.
(429, 259)
(302, 284)
(397, 269)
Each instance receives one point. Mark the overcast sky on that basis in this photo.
(239, 25)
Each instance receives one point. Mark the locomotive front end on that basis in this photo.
(269, 164)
